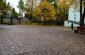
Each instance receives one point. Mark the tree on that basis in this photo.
(68, 2)
(21, 6)
(82, 16)
(44, 12)
(50, 0)
(9, 6)
(2, 5)
(63, 8)
(13, 15)
(30, 5)
(3, 9)
(54, 3)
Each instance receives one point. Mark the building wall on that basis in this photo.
(74, 15)
(68, 24)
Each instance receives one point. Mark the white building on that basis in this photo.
(74, 15)
(8, 14)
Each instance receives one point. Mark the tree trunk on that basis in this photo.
(83, 16)
(1, 19)
(81, 19)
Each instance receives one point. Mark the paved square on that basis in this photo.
(40, 40)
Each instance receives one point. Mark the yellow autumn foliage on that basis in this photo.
(64, 4)
(44, 11)
(63, 8)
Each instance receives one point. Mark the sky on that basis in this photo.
(14, 3)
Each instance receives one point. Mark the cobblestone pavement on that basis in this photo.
(40, 40)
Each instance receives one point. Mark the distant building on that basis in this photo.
(8, 14)
(7, 18)
(74, 16)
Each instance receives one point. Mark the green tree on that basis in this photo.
(2, 5)
(21, 6)
(9, 6)
(3, 9)
(13, 15)
(50, 0)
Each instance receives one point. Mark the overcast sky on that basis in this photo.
(14, 3)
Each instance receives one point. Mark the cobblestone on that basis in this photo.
(40, 40)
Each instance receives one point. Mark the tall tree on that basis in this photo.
(13, 15)
(63, 8)
(44, 12)
(9, 6)
(3, 9)
(54, 3)
(21, 6)
(30, 5)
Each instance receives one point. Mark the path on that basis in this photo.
(40, 40)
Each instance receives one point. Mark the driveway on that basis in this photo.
(40, 40)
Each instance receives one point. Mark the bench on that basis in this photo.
(78, 29)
